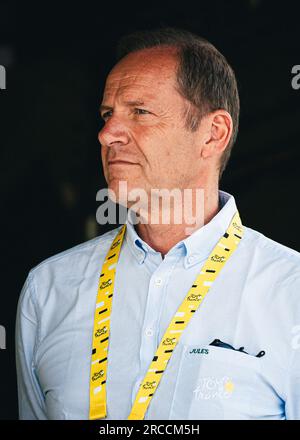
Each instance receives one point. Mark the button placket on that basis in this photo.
(158, 281)
(148, 340)
(149, 332)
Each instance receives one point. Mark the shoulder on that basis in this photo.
(272, 264)
(55, 281)
(72, 264)
(269, 251)
(81, 250)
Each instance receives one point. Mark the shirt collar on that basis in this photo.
(199, 244)
(138, 246)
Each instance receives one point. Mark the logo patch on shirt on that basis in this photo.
(199, 351)
(214, 388)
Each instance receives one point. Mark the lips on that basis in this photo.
(120, 162)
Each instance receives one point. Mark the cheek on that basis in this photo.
(165, 149)
(154, 141)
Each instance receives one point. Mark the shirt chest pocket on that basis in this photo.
(215, 383)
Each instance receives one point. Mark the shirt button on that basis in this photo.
(149, 331)
(158, 281)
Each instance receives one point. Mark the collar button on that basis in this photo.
(191, 259)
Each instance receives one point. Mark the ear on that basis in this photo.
(219, 130)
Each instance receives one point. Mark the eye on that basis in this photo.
(105, 115)
(141, 111)
(138, 111)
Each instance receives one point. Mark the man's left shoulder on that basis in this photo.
(272, 272)
(282, 259)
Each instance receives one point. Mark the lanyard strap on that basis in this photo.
(101, 329)
(209, 272)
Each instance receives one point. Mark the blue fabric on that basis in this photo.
(254, 303)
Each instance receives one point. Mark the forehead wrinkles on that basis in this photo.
(137, 88)
(124, 84)
(127, 78)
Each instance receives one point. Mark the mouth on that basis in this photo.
(120, 162)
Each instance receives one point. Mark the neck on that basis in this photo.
(162, 237)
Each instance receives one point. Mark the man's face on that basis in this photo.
(144, 141)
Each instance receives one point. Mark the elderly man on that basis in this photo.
(151, 321)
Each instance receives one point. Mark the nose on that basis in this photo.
(114, 132)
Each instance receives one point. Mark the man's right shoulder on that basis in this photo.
(56, 279)
(73, 261)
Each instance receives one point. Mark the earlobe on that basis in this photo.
(207, 148)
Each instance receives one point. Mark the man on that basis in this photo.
(149, 320)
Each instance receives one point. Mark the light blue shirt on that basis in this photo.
(254, 303)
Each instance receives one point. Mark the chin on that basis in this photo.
(122, 188)
(119, 195)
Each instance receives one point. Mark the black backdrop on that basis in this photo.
(56, 58)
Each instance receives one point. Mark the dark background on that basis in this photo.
(56, 58)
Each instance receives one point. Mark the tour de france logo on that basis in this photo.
(237, 227)
(98, 375)
(116, 244)
(105, 284)
(169, 341)
(149, 385)
(194, 297)
(214, 388)
(101, 331)
(217, 259)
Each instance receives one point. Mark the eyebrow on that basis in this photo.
(128, 103)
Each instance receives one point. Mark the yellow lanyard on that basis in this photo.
(209, 272)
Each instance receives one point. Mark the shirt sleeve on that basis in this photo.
(292, 404)
(30, 396)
